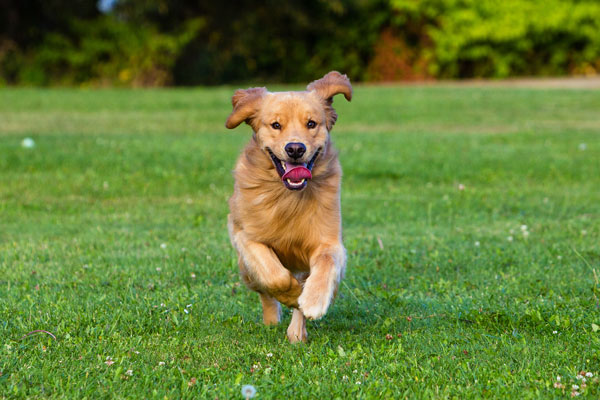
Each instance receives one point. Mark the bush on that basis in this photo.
(490, 38)
(104, 51)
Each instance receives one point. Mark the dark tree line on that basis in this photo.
(224, 41)
(185, 42)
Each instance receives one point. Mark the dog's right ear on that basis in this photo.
(245, 105)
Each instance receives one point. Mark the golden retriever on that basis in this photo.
(285, 219)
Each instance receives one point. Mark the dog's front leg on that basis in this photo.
(265, 272)
(327, 266)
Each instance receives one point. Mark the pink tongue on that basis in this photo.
(296, 173)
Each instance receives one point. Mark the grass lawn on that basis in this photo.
(471, 218)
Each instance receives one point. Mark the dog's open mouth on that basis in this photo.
(294, 175)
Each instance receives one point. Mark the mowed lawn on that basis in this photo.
(471, 219)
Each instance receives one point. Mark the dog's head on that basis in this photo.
(292, 128)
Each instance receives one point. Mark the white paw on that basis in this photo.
(313, 307)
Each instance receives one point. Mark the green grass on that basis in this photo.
(113, 226)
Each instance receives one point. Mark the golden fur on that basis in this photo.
(289, 242)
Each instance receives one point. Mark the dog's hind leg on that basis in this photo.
(296, 332)
(271, 309)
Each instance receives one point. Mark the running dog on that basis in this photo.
(285, 219)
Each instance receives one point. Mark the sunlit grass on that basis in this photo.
(113, 239)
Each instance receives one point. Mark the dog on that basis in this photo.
(285, 217)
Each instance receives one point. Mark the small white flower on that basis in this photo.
(477, 244)
(161, 363)
(523, 228)
(575, 387)
(158, 269)
(185, 310)
(358, 382)
(525, 234)
(345, 377)
(255, 366)
(582, 146)
(188, 306)
(589, 374)
(461, 186)
(559, 257)
(355, 371)
(269, 355)
(555, 332)
(578, 377)
(193, 275)
(248, 391)
(163, 245)
(136, 352)
(85, 266)
(129, 372)
(573, 394)
(558, 377)
(509, 238)
(28, 143)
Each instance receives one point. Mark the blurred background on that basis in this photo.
(137, 43)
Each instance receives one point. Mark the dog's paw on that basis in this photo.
(313, 307)
(296, 332)
(296, 336)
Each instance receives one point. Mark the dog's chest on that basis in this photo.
(294, 227)
(295, 223)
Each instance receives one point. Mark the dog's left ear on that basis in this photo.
(245, 105)
(328, 86)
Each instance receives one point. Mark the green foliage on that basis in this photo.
(115, 174)
(103, 51)
(489, 38)
(179, 42)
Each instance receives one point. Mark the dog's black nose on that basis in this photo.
(295, 150)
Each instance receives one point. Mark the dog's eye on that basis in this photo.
(275, 125)
(311, 124)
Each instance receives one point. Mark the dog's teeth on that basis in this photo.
(289, 181)
(283, 164)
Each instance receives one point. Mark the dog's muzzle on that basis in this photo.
(295, 176)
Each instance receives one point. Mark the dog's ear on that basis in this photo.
(331, 84)
(328, 86)
(245, 105)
